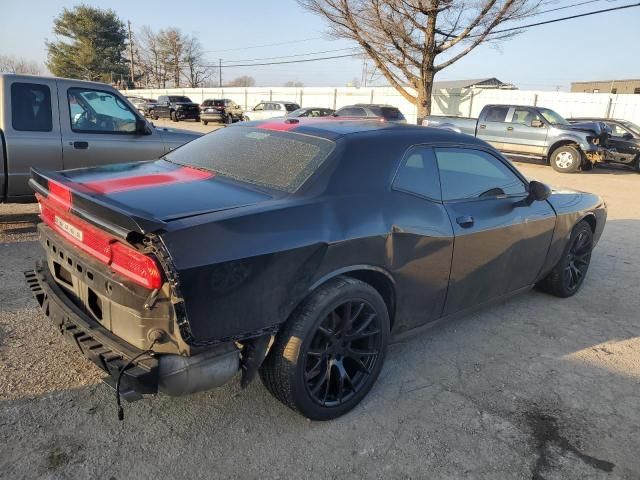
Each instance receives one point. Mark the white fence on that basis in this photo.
(465, 102)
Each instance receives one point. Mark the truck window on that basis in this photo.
(524, 116)
(31, 107)
(97, 111)
(496, 114)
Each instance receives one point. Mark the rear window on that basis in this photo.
(391, 113)
(272, 159)
(218, 103)
(207, 103)
(31, 107)
(291, 107)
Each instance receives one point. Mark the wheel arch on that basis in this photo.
(590, 218)
(562, 143)
(379, 278)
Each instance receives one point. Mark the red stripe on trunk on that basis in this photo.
(278, 126)
(180, 175)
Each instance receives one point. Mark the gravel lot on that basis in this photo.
(537, 387)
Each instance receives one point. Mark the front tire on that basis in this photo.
(569, 273)
(566, 159)
(330, 352)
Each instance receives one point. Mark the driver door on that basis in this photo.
(500, 243)
(98, 128)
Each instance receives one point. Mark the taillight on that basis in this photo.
(135, 266)
(60, 193)
(122, 259)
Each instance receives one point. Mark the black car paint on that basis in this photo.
(244, 264)
(627, 148)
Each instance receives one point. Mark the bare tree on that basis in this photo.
(11, 64)
(152, 58)
(243, 81)
(293, 83)
(404, 37)
(172, 45)
(196, 70)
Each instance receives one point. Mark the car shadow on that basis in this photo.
(536, 386)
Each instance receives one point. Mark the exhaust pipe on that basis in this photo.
(178, 375)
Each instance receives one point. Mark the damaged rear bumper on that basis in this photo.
(168, 373)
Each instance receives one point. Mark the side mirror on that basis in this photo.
(537, 123)
(141, 127)
(538, 191)
(627, 136)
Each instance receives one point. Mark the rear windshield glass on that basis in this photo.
(218, 103)
(291, 107)
(391, 113)
(272, 159)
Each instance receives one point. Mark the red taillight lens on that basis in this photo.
(122, 259)
(135, 266)
(60, 194)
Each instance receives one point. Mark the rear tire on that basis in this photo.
(173, 117)
(331, 350)
(245, 118)
(204, 122)
(566, 159)
(569, 273)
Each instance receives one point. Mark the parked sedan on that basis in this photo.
(296, 249)
(311, 112)
(220, 110)
(624, 140)
(371, 111)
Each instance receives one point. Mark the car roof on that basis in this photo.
(333, 128)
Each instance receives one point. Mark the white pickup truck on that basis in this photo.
(58, 124)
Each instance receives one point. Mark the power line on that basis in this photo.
(264, 45)
(555, 20)
(571, 17)
(293, 55)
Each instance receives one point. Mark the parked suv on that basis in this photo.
(372, 111)
(176, 108)
(270, 109)
(220, 110)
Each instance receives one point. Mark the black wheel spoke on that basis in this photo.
(342, 353)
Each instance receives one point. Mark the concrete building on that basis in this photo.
(607, 86)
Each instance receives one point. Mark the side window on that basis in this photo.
(276, 106)
(351, 112)
(97, 111)
(419, 174)
(468, 173)
(260, 106)
(496, 114)
(31, 107)
(524, 116)
(616, 130)
(163, 99)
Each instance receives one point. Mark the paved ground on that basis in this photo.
(538, 387)
(187, 125)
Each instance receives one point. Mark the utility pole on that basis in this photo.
(220, 73)
(131, 55)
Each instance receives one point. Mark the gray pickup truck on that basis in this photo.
(534, 132)
(58, 124)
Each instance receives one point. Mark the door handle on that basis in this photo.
(465, 221)
(81, 145)
(482, 126)
(509, 129)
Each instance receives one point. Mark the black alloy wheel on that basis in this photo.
(569, 273)
(578, 259)
(330, 352)
(342, 353)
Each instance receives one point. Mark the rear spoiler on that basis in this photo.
(105, 214)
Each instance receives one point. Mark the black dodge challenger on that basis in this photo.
(296, 249)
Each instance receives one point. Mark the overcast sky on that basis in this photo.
(597, 47)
